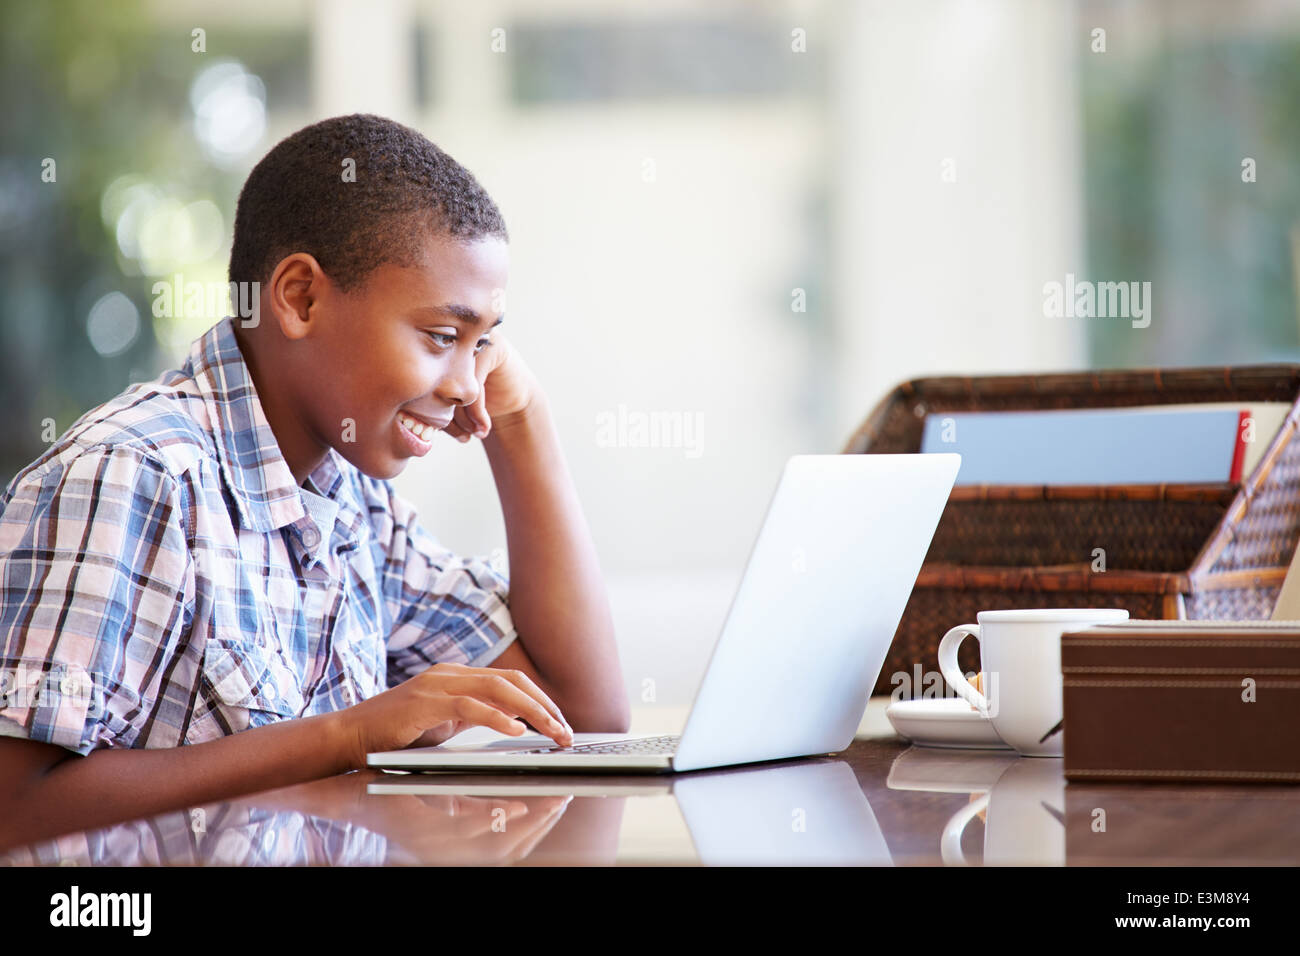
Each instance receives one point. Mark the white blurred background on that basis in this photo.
(758, 217)
(657, 247)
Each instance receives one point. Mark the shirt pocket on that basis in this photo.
(365, 661)
(252, 682)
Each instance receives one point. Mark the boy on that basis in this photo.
(216, 559)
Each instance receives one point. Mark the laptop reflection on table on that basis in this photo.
(809, 813)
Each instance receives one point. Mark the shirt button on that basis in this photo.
(348, 697)
(310, 536)
(269, 691)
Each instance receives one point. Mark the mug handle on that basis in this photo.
(952, 673)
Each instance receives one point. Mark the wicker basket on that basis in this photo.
(1171, 551)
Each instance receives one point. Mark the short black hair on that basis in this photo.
(298, 198)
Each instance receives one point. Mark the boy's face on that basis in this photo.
(403, 342)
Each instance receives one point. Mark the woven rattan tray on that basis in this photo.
(1171, 551)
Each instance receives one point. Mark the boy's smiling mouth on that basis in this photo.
(418, 432)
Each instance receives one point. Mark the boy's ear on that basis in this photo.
(297, 284)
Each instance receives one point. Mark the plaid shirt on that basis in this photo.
(165, 581)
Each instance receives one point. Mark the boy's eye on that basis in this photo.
(446, 341)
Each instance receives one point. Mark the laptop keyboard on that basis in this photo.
(641, 746)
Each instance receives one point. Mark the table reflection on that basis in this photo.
(880, 803)
(1032, 816)
(791, 813)
(218, 835)
(803, 813)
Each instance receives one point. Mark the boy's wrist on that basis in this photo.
(533, 412)
(343, 741)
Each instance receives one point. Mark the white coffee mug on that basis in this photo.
(1020, 657)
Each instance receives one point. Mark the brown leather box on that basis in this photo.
(1182, 701)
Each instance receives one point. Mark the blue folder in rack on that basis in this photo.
(1092, 446)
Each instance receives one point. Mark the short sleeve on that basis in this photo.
(443, 607)
(94, 572)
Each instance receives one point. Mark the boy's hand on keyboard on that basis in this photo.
(446, 699)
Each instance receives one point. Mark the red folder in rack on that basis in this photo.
(1239, 449)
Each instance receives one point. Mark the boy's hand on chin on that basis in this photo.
(506, 388)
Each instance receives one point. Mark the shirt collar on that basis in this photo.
(251, 462)
(329, 483)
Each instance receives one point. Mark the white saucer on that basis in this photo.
(943, 722)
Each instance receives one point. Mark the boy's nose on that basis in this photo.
(460, 385)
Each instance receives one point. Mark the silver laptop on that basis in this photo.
(803, 642)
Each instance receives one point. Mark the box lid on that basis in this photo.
(1183, 648)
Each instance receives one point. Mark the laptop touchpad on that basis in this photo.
(523, 742)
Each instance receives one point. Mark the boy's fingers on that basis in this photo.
(513, 698)
(528, 686)
(477, 417)
(486, 714)
(517, 677)
(523, 696)
(464, 424)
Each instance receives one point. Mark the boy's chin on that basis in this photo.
(378, 466)
(389, 469)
